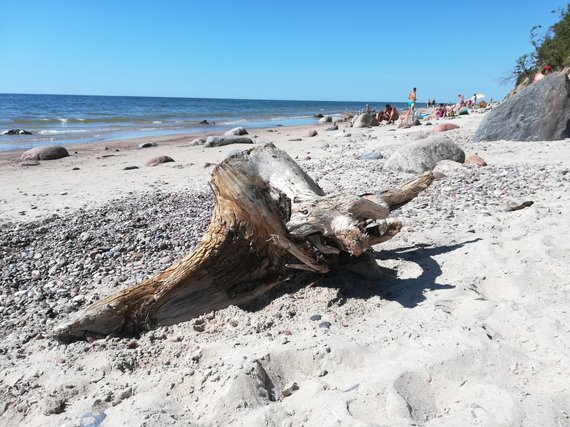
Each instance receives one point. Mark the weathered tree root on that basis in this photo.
(270, 219)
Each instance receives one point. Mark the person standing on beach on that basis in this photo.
(411, 104)
(412, 99)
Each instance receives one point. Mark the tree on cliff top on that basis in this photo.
(553, 49)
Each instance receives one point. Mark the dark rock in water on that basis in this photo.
(148, 144)
(204, 122)
(17, 132)
(423, 155)
(218, 141)
(539, 112)
(130, 168)
(334, 127)
(155, 161)
(51, 152)
(311, 133)
(318, 116)
(236, 131)
(371, 155)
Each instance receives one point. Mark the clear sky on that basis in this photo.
(294, 49)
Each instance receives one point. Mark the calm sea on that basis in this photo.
(72, 119)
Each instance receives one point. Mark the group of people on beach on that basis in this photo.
(390, 113)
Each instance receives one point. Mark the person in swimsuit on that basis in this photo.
(412, 99)
(411, 104)
(545, 72)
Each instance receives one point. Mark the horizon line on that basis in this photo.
(199, 97)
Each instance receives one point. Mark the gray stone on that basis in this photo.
(325, 325)
(424, 155)
(539, 112)
(236, 131)
(51, 152)
(218, 141)
(53, 405)
(147, 144)
(289, 389)
(325, 119)
(371, 155)
(364, 120)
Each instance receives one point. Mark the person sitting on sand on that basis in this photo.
(545, 72)
(390, 114)
(441, 111)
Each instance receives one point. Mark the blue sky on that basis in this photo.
(316, 50)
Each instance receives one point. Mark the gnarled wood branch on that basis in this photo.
(269, 220)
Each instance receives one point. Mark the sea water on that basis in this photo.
(72, 119)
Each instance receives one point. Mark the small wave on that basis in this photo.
(234, 122)
(57, 132)
(83, 120)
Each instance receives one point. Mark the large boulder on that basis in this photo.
(217, 141)
(51, 152)
(539, 112)
(364, 120)
(423, 155)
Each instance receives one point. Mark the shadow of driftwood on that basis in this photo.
(408, 292)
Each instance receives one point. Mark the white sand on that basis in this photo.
(469, 327)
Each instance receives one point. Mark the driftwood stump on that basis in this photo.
(270, 219)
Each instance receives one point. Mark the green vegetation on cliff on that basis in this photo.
(553, 49)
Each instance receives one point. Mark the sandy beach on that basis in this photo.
(469, 324)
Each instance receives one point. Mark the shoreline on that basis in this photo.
(93, 173)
